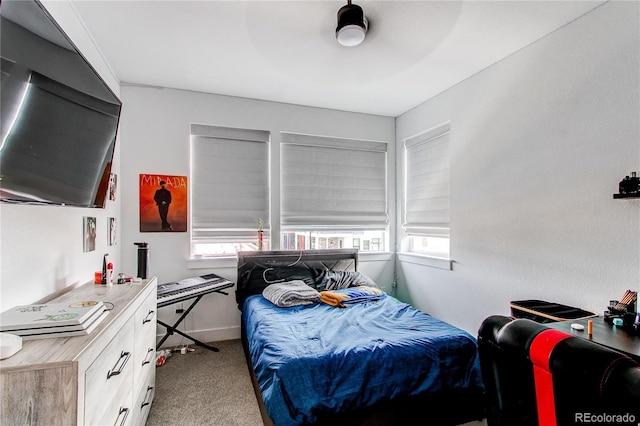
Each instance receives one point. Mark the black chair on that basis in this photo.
(587, 378)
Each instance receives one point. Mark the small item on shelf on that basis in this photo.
(622, 312)
(630, 185)
(110, 273)
(623, 185)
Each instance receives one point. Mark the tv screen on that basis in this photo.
(59, 118)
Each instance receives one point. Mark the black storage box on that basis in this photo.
(543, 312)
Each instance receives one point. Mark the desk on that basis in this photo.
(604, 334)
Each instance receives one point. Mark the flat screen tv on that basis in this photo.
(59, 118)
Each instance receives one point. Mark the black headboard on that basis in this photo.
(258, 269)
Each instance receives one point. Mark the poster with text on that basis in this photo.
(163, 203)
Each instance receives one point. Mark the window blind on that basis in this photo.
(230, 182)
(427, 183)
(333, 183)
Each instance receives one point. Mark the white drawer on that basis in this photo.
(144, 357)
(142, 405)
(145, 315)
(110, 374)
(119, 413)
(145, 361)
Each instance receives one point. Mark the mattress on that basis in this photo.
(317, 360)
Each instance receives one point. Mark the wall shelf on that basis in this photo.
(616, 196)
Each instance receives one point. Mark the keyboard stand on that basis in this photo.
(173, 328)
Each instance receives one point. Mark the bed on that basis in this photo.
(370, 360)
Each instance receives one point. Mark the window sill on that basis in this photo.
(424, 260)
(374, 256)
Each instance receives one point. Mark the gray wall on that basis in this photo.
(155, 130)
(539, 142)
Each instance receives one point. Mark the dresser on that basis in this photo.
(104, 378)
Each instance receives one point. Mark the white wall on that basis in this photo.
(41, 246)
(539, 142)
(155, 132)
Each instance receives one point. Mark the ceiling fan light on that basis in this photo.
(350, 35)
(352, 25)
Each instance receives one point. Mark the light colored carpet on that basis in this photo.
(209, 388)
(205, 388)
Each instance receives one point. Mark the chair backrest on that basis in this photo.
(536, 376)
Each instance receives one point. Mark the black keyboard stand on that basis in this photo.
(173, 328)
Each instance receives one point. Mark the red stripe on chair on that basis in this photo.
(540, 352)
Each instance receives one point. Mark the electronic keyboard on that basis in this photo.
(188, 288)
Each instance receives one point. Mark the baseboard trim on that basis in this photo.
(206, 336)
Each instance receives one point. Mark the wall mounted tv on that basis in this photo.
(59, 118)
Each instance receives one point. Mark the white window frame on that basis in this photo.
(335, 185)
(426, 205)
(225, 223)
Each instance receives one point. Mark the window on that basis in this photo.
(230, 189)
(305, 240)
(333, 192)
(427, 191)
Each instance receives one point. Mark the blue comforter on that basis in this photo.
(317, 359)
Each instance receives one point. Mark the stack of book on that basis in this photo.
(53, 319)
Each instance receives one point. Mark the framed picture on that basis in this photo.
(89, 234)
(163, 203)
(111, 231)
(113, 186)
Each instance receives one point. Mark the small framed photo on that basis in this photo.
(89, 234)
(113, 186)
(112, 231)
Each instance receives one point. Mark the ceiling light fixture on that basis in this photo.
(352, 25)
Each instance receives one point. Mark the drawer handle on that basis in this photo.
(147, 359)
(149, 317)
(150, 395)
(123, 356)
(125, 411)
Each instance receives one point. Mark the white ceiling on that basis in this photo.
(286, 51)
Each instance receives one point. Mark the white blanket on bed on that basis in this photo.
(291, 293)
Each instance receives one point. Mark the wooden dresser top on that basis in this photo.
(64, 350)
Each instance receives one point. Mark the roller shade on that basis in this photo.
(427, 183)
(333, 183)
(230, 182)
